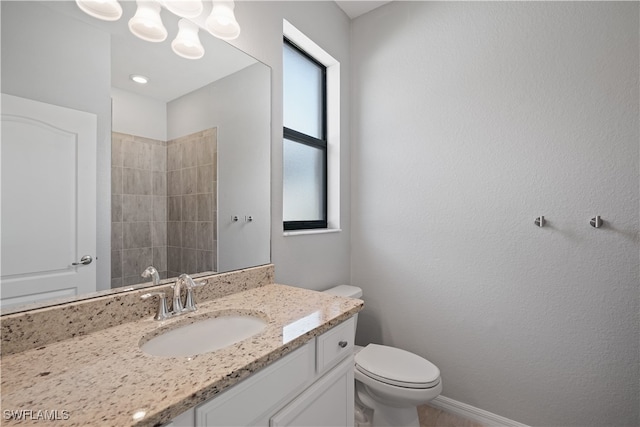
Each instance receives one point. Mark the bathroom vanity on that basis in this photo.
(298, 370)
(313, 385)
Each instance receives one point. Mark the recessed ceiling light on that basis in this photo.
(139, 79)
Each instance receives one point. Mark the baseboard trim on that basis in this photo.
(472, 413)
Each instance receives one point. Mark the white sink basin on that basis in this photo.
(204, 336)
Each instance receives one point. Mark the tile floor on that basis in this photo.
(432, 417)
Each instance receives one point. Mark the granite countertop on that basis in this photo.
(103, 378)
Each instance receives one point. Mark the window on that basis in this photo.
(311, 146)
(305, 140)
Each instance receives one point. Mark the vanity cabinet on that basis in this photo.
(328, 402)
(311, 386)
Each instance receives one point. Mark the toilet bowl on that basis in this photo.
(390, 382)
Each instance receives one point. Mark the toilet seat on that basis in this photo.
(397, 367)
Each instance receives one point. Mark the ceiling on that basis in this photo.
(355, 8)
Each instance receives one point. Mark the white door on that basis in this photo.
(48, 203)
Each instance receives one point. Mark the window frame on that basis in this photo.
(311, 141)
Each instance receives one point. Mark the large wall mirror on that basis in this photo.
(174, 173)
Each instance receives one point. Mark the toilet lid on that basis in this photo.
(397, 367)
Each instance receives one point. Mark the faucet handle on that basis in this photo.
(177, 302)
(162, 312)
(201, 283)
(187, 280)
(189, 303)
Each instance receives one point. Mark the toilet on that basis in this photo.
(390, 382)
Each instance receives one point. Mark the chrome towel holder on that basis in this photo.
(596, 222)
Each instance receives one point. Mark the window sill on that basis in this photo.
(311, 231)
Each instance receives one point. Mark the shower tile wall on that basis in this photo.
(192, 203)
(163, 206)
(139, 207)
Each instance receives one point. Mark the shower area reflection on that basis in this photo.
(164, 205)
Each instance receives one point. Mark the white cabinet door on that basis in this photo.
(328, 402)
(48, 214)
(252, 401)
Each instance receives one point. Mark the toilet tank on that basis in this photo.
(345, 291)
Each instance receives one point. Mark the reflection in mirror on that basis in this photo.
(131, 175)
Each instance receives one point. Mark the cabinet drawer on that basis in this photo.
(334, 345)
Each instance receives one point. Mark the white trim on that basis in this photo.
(311, 231)
(472, 413)
(333, 123)
(306, 44)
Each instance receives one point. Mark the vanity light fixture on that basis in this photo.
(222, 21)
(184, 8)
(139, 79)
(107, 10)
(187, 44)
(146, 23)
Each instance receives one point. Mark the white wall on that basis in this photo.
(239, 107)
(469, 121)
(312, 261)
(138, 115)
(38, 64)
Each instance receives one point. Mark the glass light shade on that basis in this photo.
(222, 22)
(187, 44)
(146, 23)
(184, 8)
(107, 10)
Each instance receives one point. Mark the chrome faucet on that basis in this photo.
(153, 273)
(184, 280)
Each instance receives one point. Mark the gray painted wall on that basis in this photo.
(139, 115)
(469, 121)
